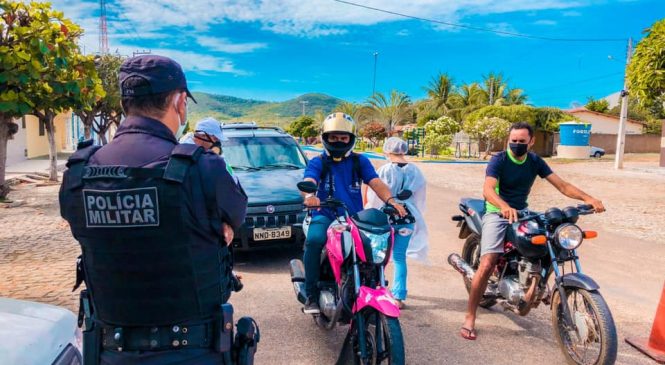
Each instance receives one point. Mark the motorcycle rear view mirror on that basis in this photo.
(404, 194)
(307, 187)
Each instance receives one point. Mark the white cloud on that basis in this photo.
(545, 22)
(403, 33)
(312, 18)
(192, 61)
(570, 13)
(224, 45)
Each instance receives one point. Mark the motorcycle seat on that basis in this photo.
(477, 205)
(371, 220)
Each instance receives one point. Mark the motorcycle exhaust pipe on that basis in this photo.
(458, 263)
(298, 279)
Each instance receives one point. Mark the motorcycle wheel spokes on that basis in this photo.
(582, 343)
(384, 342)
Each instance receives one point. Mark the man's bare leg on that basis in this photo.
(478, 286)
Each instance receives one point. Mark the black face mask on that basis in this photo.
(339, 149)
(518, 149)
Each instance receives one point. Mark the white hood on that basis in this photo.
(34, 333)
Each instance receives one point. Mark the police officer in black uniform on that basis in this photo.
(153, 219)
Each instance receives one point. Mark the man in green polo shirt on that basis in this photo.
(508, 181)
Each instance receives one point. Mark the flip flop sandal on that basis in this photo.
(470, 333)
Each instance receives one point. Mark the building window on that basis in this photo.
(41, 127)
(23, 122)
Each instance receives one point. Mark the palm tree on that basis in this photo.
(468, 98)
(439, 91)
(494, 88)
(357, 111)
(391, 111)
(515, 97)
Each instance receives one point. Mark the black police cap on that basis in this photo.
(161, 73)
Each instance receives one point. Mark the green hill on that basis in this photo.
(229, 108)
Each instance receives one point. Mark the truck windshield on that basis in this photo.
(258, 153)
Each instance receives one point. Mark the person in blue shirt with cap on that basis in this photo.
(153, 218)
(340, 172)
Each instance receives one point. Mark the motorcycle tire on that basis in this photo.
(605, 332)
(471, 254)
(393, 342)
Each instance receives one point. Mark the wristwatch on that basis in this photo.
(309, 195)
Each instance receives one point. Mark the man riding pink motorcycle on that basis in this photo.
(339, 174)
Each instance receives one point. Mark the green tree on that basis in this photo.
(545, 119)
(494, 87)
(488, 129)
(42, 72)
(646, 71)
(439, 92)
(439, 134)
(515, 97)
(392, 110)
(359, 113)
(304, 127)
(597, 105)
(468, 98)
(68, 79)
(15, 72)
(107, 110)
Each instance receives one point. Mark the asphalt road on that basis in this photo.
(629, 272)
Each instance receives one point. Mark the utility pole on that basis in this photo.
(303, 103)
(621, 135)
(376, 55)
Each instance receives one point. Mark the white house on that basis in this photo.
(602, 123)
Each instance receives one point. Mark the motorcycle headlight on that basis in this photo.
(380, 244)
(569, 236)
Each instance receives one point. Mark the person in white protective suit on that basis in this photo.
(411, 240)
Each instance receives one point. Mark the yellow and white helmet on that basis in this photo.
(338, 123)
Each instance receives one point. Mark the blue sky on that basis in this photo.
(276, 50)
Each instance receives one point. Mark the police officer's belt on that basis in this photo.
(157, 338)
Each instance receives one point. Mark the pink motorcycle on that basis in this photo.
(352, 284)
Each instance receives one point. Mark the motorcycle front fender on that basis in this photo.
(379, 299)
(578, 280)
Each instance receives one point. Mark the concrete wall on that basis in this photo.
(635, 143)
(37, 144)
(607, 124)
(16, 147)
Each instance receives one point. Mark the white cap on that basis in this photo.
(211, 126)
(396, 146)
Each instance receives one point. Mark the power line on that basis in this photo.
(512, 34)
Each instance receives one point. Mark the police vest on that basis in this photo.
(143, 265)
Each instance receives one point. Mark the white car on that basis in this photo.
(596, 152)
(38, 334)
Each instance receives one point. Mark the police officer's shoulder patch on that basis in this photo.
(128, 208)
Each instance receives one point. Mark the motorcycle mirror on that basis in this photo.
(307, 187)
(404, 194)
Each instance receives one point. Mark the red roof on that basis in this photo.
(585, 110)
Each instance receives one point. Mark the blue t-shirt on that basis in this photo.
(515, 178)
(345, 189)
